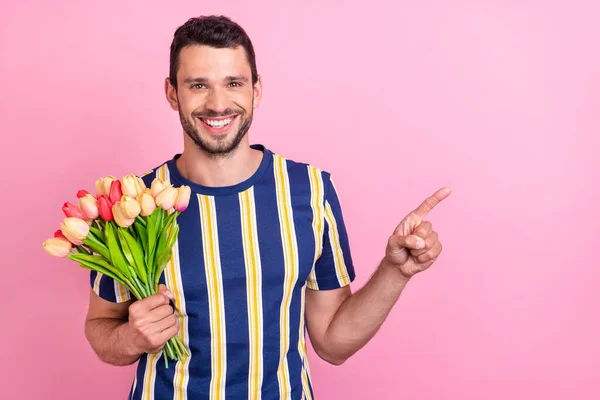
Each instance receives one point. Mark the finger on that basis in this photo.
(151, 302)
(160, 313)
(430, 242)
(165, 290)
(424, 229)
(431, 202)
(168, 333)
(407, 242)
(431, 254)
(165, 323)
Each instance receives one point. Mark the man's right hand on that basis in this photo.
(152, 322)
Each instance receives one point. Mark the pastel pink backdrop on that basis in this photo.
(496, 99)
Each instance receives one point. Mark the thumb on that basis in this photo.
(163, 289)
(406, 242)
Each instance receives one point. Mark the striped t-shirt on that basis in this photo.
(240, 268)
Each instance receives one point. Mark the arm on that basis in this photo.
(340, 323)
(120, 333)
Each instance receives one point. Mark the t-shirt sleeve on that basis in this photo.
(334, 268)
(109, 289)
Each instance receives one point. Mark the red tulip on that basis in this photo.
(82, 193)
(115, 191)
(59, 234)
(105, 208)
(71, 210)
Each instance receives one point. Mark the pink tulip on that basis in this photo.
(120, 217)
(71, 210)
(115, 193)
(59, 234)
(103, 186)
(147, 204)
(166, 198)
(58, 247)
(89, 205)
(75, 229)
(105, 208)
(183, 198)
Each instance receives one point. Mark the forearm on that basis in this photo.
(111, 340)
(363, 313)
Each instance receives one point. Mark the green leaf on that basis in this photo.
(97, 263)
(116, 254)
(125, 247)
(97, 247)
(142, 237)
(98, 234)
(137, 254)
(141, 220)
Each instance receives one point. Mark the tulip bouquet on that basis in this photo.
(127, 232)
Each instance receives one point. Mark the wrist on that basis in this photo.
(130, 347)
(394, 270)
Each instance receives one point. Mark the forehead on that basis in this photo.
(212, 63)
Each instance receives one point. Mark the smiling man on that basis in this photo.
(262, 256)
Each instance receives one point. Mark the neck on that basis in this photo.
(208, 170)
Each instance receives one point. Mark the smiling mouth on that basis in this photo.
(218, 123)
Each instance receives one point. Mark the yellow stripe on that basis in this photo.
(214, 283)
(302, 350)
(253, 290)
(174, 283)
(97, 283)
(149, 378)
(288, 238)
(334, 239)
(316, 203)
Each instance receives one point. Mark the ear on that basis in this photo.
(258, 89)
(171, 94)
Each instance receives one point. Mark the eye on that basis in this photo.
(198, 86)
(235, 84)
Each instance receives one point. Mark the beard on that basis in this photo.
(217, 147)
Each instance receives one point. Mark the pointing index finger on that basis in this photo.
(431, 202)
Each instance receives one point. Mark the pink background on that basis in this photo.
(496, 99)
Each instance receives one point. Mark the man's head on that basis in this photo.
(213, 82)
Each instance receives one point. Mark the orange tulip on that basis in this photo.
(75, 230)
(166, 198)
(183, 198)
(58, 246)
(120, 217)
(130, 207)
(147, 204)
(132, 186)
(157, 186)
(103, 186)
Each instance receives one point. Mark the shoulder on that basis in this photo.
(299, 168)
(149, 175)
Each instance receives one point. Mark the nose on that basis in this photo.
(216, 100)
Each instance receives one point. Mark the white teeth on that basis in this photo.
(218, 124)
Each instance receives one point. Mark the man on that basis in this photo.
(262, 252)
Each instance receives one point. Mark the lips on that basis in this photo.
(218, 125)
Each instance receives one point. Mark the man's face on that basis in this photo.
(215, 97)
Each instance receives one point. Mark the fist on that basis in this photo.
(152, 321)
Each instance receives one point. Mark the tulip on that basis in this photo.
(147, 204)
(166, 198)
(75, 230)
(89, 205)
(120, 218)
(103, 185)
(58, 246)
(71, 210)
(59, 234)
(115, 192)
(130, 207)
(157, 186)
(183, 198)
(104, 208)
(131, 186)
(82, 193)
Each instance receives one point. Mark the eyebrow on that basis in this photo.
(201, 79)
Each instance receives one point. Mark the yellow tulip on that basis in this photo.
(89, 205)
(120, 218)
(183, 198)
(75, 229)
(130, 185)
(130, 207)
(147, 203)
(166, 198)
(157, 186)
(58, 247)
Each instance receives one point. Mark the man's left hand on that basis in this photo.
(414, 245)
